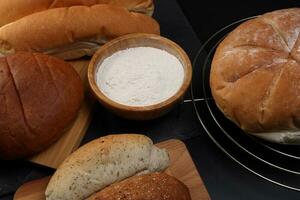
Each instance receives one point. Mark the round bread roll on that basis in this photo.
(154, 186)
(40, 96)
(255, 76)
(103, 162)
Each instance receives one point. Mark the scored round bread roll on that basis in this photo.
(12, 10)
(72, 32)
(103, 162)
(40, 96)
(255, 76)
(154, 186)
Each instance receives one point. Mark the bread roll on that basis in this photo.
(255, 76)
(12, 10)
(40, 96)
(72, 32)
(103, 162)
(154, 186)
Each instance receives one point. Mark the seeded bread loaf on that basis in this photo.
(154, 186)
(103, 162)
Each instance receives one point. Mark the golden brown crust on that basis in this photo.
(40, 97)
(69, 25)
(20, 8)
(154, 186)
(255, 73)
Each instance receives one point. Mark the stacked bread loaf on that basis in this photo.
(19, 8)
(116, 167)
(71, 28)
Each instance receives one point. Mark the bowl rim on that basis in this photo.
(184, 59)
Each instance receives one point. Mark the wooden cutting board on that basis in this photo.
(182, 167)
(70, 141)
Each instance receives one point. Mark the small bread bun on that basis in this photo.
(154, 186)
(255, 76)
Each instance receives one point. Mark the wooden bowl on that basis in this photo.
(139, 40)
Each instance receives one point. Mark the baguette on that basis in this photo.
(154, 186)
(12, 10)
(103, 162)
(72, 32)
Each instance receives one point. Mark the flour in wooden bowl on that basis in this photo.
(140, 76)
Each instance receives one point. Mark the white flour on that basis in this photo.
(140, 76)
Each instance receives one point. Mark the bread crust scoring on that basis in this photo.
(256, 71)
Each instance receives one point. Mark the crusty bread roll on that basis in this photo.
(40, 96)
(103, 162)
(255, 76)
(72, 32)
(12, 10)
(154, 186)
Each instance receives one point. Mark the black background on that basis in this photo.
(206, 17)
(224, 179)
